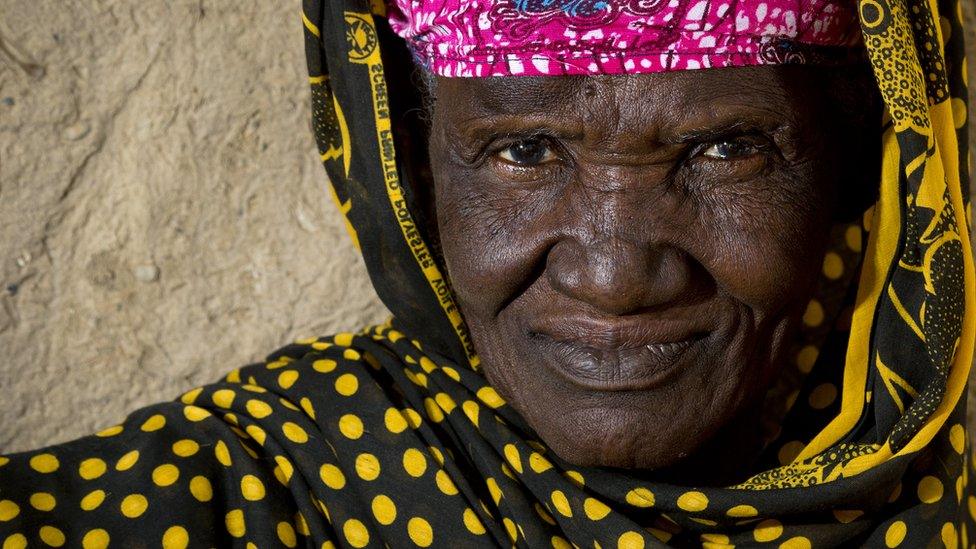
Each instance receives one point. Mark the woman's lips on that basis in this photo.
(627, 354)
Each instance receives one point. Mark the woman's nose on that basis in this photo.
(619, 276)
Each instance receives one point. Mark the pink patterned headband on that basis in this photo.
(563, 37)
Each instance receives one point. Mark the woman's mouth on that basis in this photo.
(627, 355)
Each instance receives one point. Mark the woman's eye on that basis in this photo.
(528, 152)
(729, 150)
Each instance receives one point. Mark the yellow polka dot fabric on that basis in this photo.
(391, 437)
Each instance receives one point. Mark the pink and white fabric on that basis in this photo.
(563, 37)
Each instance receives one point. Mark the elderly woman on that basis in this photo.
(647, 291)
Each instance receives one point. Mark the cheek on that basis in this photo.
(763, 245)
(491, 238)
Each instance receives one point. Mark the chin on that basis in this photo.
(696, 405)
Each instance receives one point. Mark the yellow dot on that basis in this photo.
(286, 533)
(472, 522)
(222, 454)
(95, 539)
(438, 455)
(433, 410)
(957, 437)
(165, 474)
(561, 503)
(640, 497)
(471, 410)
(444, 483)
(185, 447)
(494, 490)
(15, 541)
(852, 237)
(42, 501)
(284, 469)
(52, 536)
(256, 433)
(789, 451)
(223, 398)
(294, 433)
(258, 409)
(301, 524)
(414, 462)
(833, 266)
(413, 418)
(559, 542)
(693, 501)
(134, 505)
(490, 397)
(287, 378)
(512, 455)
(847, 516)
(595, 509)
(630, 540)
(814, 314)
(44, 463)
(420, 532)
(356, 533)
(175, 537)
(351, 426)
(395, 423)
(234, 521)
(91, 468)
(346, 385)
(154, 423)
(445, 402)
(575, 478)
(324, 365)
(806, 358)
(252, 488)
(742, 511)
(510, 529)
(8, 510)
(332, 476)
(190, 396)
(127, 461)
(949, 536)
(91, 501)
(798, 542)
(195, 413)
(538, 463)
(930, 489)
(958, 112)
(367, 466)
(895, 533)
(110, 432)
(384, 510)
(768, 530)
(201, 489)
(823, 395)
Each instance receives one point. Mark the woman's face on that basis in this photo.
(631, 252)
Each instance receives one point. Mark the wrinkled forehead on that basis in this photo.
(670, 95)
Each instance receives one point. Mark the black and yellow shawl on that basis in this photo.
(391, 437)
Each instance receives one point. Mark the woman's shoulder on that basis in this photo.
(205, 461)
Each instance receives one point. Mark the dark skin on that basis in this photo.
(633, 253)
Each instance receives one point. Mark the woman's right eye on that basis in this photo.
(528, 153)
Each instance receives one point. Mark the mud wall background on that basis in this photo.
(163, 215)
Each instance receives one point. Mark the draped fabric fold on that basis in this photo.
(392, 437)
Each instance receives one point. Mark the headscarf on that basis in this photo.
(392, 437)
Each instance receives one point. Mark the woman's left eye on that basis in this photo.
(528, 152)
(729, 150)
